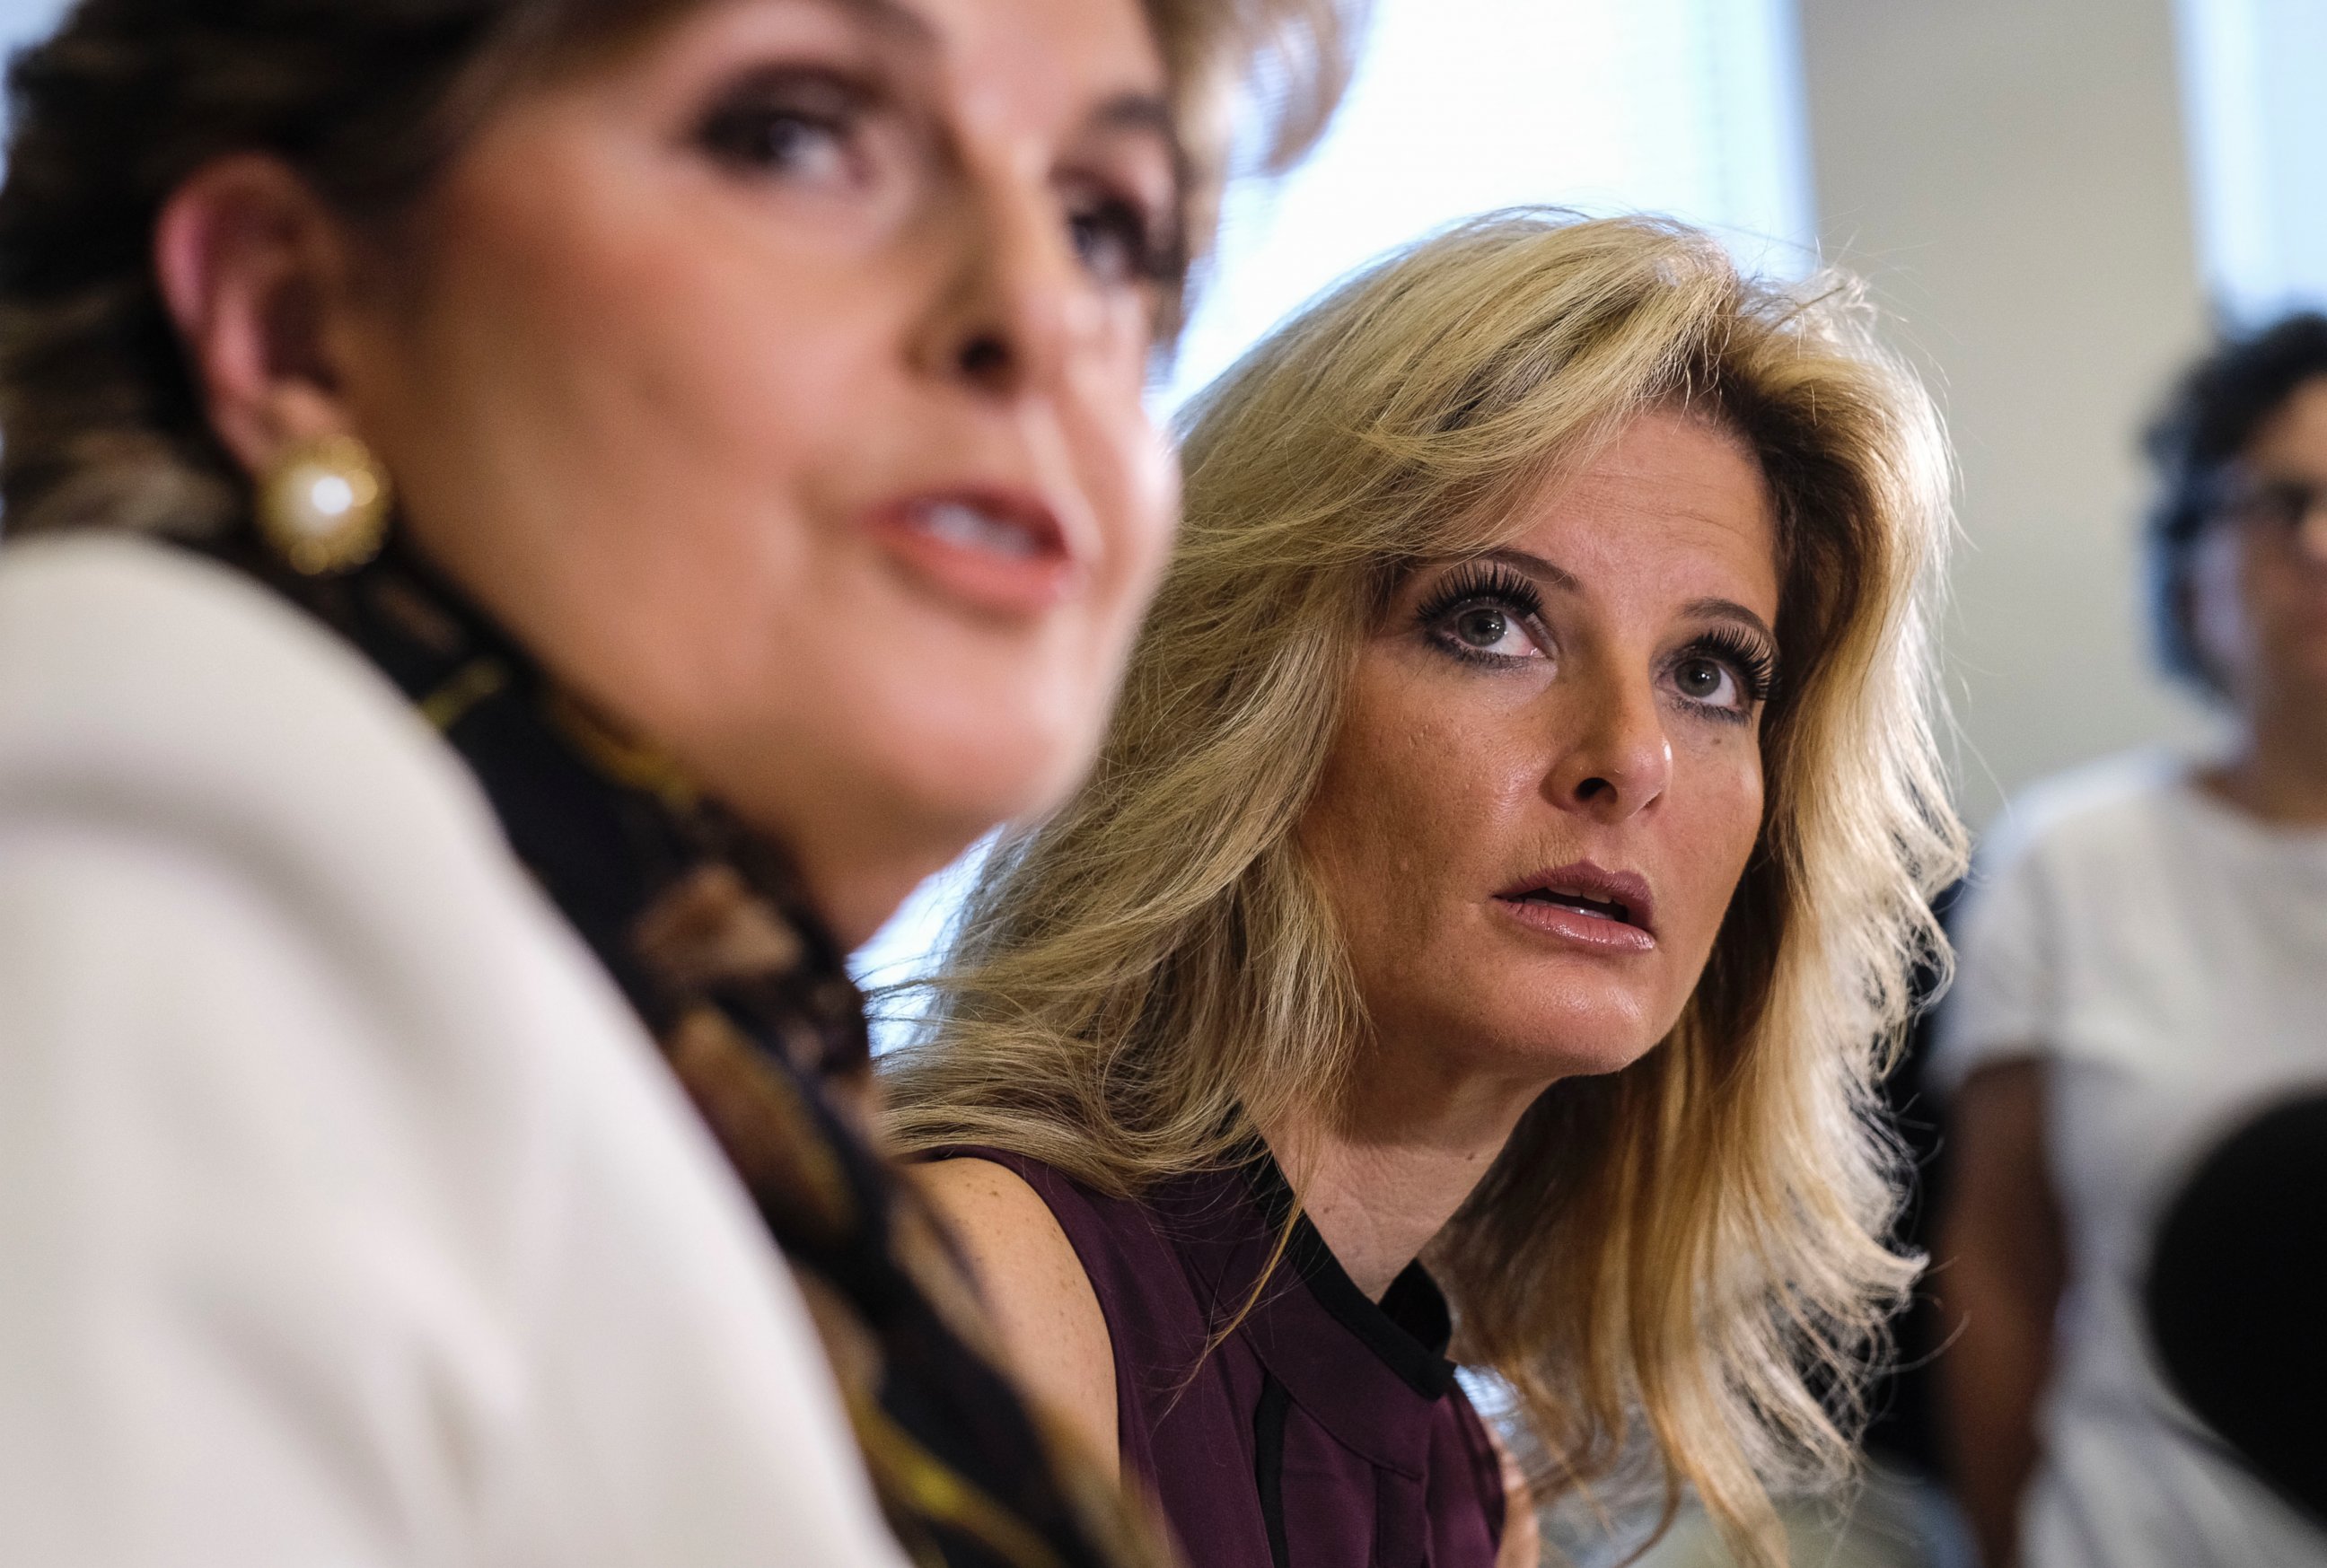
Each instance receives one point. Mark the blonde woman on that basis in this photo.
(1509, 852)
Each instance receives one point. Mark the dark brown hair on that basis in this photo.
(2215, 411)
(366, 100)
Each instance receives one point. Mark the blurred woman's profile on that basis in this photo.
(533, 524)
(2144, 955)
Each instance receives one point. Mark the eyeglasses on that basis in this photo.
(2290, 511)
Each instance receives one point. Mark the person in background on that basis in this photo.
(533, 523)
(1511, 853)
(2143, 956)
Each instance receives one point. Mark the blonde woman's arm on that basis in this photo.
(2001, 1262)
(1052, 1330)
(1522, 1543)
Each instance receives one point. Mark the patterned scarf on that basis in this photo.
(706, 928)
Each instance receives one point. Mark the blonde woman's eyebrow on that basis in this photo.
(1529, 564)
(1730, 610)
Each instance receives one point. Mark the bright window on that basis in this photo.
(24, 22)
(2254, 89)
(1691, 108)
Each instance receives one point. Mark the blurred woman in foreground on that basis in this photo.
(2145, 961)
(1509, 854)
(690, 453)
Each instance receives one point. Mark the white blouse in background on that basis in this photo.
(347, 1216)
(2166, 956)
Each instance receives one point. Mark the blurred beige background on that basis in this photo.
(2013, 180)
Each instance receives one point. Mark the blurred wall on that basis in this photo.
(2012, 179)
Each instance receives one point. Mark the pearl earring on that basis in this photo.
(323, 505)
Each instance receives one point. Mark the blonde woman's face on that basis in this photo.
(1549, 777)
(778, 383)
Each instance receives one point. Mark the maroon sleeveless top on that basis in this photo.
(1325, 1431)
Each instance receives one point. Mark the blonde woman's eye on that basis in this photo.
(1727, 674)
(1484, 627)
(1484, 613)
(1708, 681)
(1485, 633)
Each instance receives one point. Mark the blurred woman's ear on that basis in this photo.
(251, 267)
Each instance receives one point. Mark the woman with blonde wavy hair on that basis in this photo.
(1508, 856)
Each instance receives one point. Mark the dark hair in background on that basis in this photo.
(2214, 414)
(368, 100)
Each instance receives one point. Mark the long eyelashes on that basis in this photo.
(1488, 584)
(1755, 666)
(1495, 597)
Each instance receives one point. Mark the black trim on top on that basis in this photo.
(1408, 1330)
(1269, 1463)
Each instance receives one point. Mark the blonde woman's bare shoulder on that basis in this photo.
(1043, 1307)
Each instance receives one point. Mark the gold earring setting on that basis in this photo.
(323, 505)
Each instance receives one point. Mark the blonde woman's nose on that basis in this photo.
(1620, 760)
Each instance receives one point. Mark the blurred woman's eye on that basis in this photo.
(1117, 240)
(800, 126)
(2278, 506)
(1486, 614)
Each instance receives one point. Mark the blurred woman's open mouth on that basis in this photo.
(994, 551)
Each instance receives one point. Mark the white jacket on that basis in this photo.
(347, 1216)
